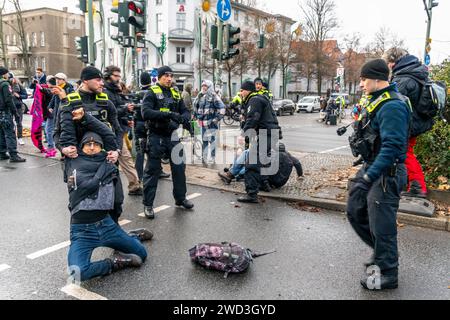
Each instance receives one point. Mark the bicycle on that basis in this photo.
(231, 115)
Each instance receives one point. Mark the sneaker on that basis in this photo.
(20, 141)
(248, 199)
(125, 260)
(149, 212)
(136, 192)
(226, 177)
(385, 282)
(16, 158)
(51, 153)
(142, 234)
(415, 190)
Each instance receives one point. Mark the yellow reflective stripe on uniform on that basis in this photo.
(102, 96)
(175, 94)
(385, 96)
(156, 89)
(74, 96)
(164, 109)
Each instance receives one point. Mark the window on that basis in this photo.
(181, 1)
(28, 40)
(36, 63)
(33, 39)
(181, 20)
(43, 64)
(42, 39)
(14, 40)
(181, 53)
(247, 19)
(14, 64)
(22, 63)
(7, 39)
(158, 2)
(233, 88)
(66, 41)
(236, 15)
(111, 56)
(159, 23)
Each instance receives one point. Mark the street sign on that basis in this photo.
(427, 59)
(340, 72)
(224, 9)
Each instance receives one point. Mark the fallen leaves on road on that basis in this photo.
(237, 206)
(300, 205)
(400, 225)
(442, 209)
(26, 132)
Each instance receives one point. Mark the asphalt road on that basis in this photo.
(318, 255)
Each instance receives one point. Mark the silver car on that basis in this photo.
(309, 104)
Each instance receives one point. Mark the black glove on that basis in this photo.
(360, 184)
(176, 117)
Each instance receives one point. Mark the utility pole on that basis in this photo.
(91, 33)
(429, 10)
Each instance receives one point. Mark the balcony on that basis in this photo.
(181, 35)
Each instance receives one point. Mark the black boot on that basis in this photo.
(185, 203)
(136, 192)
(121, 260)
(4, 156)
(265, 187)
(385, 282)
(16, 158)
(149, 212)
(248, 199)
(226, 177)
(142, 234)
(163, 175)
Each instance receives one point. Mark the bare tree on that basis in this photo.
(22, 44)
(353, 60)
(2, 38)
(320, 21)
(383, 40)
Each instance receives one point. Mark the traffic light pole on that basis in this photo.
(429, 10)
(91, 33)
(220, 47)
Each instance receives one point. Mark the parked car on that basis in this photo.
(284, 106)
(309, 104)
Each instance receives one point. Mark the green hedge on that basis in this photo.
(433, 152)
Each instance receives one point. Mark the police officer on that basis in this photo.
(8, 141)
(260, 115)
(380, 138)
(91, 98)
(262, 88)
(164, 110)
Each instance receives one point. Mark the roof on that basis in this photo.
(262, 13)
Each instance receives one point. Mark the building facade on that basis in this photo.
(50, 39)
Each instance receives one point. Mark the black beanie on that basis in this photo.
(145, 79)
(3, 71)
(258, 80)
(376, 70)
(163, 70)
(90, 73)
(249, 86)
(91, 137)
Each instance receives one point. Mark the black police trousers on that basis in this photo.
(257, 158)
(373, 215)
(8, 141)
(159, 146)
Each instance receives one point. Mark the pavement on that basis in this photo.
(318, 254)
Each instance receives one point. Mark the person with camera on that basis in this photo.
(8, 141)
(39, 78)
(19, 94)
(164, 111)
(381, 140)
(112, 76)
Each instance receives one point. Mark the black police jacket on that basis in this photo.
(117, 98)
(69, 133)
(286, 163)
(260, 114)
(6, 98)
(157, 109)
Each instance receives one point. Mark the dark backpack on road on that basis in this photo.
(225, 256)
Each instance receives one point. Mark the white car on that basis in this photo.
(309, 104)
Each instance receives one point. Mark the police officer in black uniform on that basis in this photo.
(68, 133)
(260, 116)
(8, 141)
(164, 110)
(381, 139)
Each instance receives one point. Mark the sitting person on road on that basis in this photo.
(331, 108)
(286, 163)
(91, 185)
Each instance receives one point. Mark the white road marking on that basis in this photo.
(193, 196)
(159, 209)
(61, 245)
(335, 149)
(81, 293)
(4, 267)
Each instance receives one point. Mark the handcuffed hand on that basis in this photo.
(70, 152)
(112, 156)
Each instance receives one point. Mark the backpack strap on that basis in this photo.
(410, 76)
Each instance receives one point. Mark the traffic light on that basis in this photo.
(83, 5)
(121, 23)
(138, 20)
(261, 41)
(81, 44)
(230, 41)
(163, 44)
(213, 41)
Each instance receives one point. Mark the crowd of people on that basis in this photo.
(92, 124)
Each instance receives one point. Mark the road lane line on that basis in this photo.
(4, 267)
(61, 245)
(335, 149)
(193, 196)
(81, 293)
(159, 209)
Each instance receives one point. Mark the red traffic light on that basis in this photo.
(136, 7)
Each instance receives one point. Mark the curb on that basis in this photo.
(441, 224)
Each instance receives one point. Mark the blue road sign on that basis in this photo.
(224, 9)
(427, 59)
(154, 72)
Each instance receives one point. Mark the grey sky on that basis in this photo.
(405, 18)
